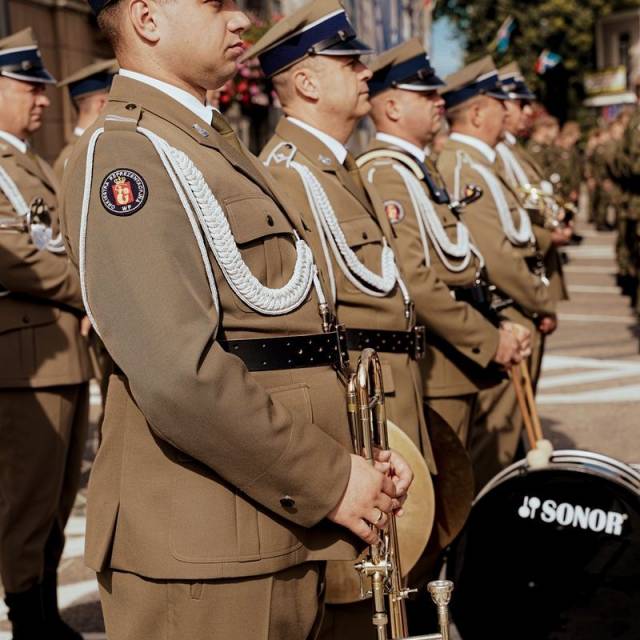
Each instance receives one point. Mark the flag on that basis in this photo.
(547, 60)
(503, 37)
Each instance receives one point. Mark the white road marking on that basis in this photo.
(598, 252)
(590, 370)
(588, 288)
(585, 317)
(585, 268)
(615, 394)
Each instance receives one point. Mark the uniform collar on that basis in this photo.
(476, 143)
(20, 145)
(510, 139)
(186, 99)
(415, 151)
(338, 149)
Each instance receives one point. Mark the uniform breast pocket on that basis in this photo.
(265, 239)
(364, 237)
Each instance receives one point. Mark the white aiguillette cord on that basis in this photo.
(516, 174)
(354, 270)
(196, 196)
(429, 223)
(40, 234)
(518, 237)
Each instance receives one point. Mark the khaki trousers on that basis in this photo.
(497, 423)
(42, 439)
(456, 411)
(282, 606)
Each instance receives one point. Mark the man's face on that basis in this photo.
(342, 85)
(422, 113)
(201, 40)
(21, 106)
(513, 116)
(493, 119)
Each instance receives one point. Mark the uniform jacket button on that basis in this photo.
(287, 502)
(130, 107)
(476, 350)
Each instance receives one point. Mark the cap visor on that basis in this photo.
(40, 76)
(498, 95)
(352, 47)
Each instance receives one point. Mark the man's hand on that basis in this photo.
(523, 336)
(372, 493)
(548, 325)
(561, 236)
(508, 353)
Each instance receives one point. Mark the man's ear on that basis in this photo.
(143, 18)
(392, 109)
(305, 83)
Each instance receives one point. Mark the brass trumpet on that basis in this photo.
(382, 568)
(553, 210)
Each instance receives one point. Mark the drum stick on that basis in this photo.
(524, 409)
(533, 409)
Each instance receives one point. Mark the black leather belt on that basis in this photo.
(291, 352)
(412, 343)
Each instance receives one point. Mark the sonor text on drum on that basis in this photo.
(569, 515)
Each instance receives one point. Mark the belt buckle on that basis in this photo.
(419, 342)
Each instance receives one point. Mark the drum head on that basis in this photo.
(550, 554)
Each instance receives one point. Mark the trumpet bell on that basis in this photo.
(414, 527)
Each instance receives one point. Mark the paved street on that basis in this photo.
(589, 398)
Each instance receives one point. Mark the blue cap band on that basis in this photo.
(489, 86)
(24, 64)
(97, 82)
(333, 32)
(417, 70)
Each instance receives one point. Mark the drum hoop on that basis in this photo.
(594, 464)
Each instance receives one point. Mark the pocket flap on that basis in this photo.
(255, 217)
(361, 231)
(387, 378)
(24, 315)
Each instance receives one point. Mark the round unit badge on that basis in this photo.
(123, 192)
(394, 210)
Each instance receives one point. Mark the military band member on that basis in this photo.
(88, 90)
(544, 131)
(225, 461)
(502, 231)
(45, 369)
(517, 168)
(443, 269)
(322, 86)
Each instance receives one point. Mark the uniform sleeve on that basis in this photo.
(27, 270)
(506, 267)
(150, 297)
(458, 323)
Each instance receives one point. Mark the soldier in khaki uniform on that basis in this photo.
(443, 269)
(544, 131)
(88, 90)
(322, 86)
(45, 368)
(502, 231)
(517, 168)
(225, 463)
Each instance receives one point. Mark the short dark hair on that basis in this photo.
(109, 22)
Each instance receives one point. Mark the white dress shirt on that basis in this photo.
(416, 152)
(20, 145)
(338, 149)
(478, 144)
(186, 99)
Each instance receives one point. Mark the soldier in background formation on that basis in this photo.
(382, 244)
(89, 91)
(44, 391)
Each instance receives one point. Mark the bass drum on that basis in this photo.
(552, 553)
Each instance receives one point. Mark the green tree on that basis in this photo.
(566, 27)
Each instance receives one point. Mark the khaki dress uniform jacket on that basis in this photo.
(63, 157)
(361, 217)
(205, 471)
(461, 342)
(43, 383)
(498, 424)
(553, 263)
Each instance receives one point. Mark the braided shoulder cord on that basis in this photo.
(521, 236)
